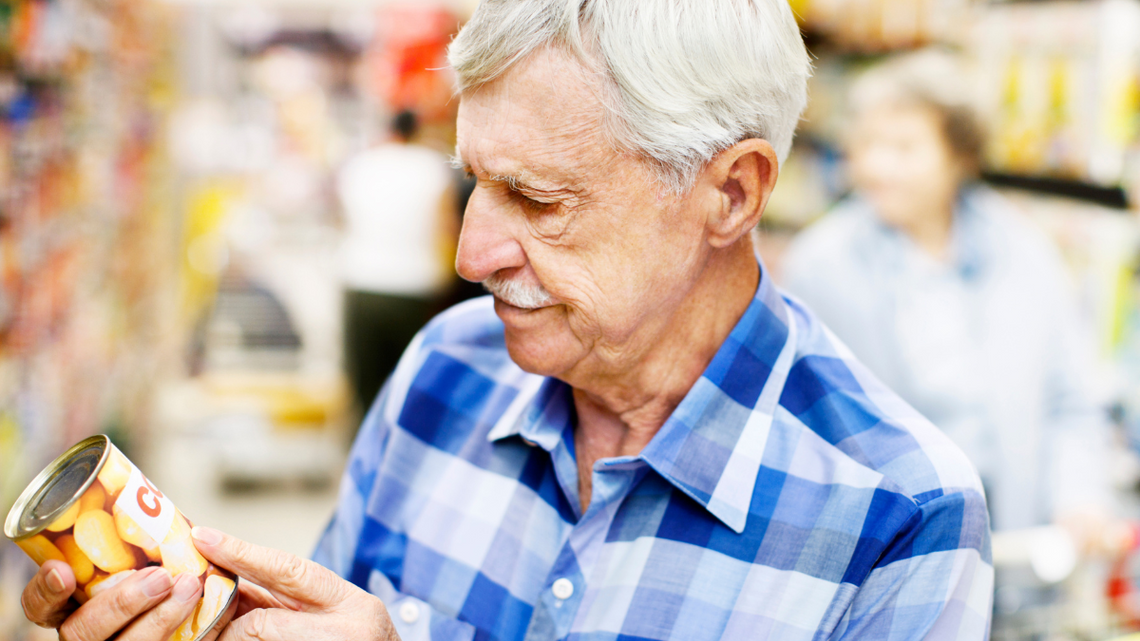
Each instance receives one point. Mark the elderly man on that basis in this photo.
(638, 436)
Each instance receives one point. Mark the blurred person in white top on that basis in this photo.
(956, 302)
(401, 229)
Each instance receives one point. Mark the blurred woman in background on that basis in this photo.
(956, 302)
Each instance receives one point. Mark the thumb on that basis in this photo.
(298, 583)
(45, 598)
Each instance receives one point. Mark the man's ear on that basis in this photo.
(741, 179)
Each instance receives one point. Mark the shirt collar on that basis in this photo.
(710, 448)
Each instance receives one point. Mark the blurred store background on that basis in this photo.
(174, 225)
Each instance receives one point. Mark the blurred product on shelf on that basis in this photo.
(870, 26)
(84, 226)
(1061, 88)
(396, 260)
(85, 233)
(407, 63)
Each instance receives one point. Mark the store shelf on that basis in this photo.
(1113, 197)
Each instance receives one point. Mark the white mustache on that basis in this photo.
(517, 293)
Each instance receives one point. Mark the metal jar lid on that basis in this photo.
(57, 487)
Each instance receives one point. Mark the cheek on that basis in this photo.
(631, 279)
(943, 173)
(913, 171)
(622, 260)
(874, 169)
(582, 286)
(883, 165)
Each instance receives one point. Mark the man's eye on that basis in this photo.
(532, 205)
(546, 220)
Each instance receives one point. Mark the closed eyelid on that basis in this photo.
(519, 185)
(534, 194)
(544, 195)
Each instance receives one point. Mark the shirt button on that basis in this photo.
(563, 589)
(409, 612)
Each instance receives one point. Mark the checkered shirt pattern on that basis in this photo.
(789, 496)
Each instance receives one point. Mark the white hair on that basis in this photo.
(928, 76)
(691, 78)
(931, 78)
(517, 293)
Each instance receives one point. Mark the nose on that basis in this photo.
(486, 243)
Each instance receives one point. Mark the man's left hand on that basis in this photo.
(286, 597)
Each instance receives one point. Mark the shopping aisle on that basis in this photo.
(172, 223)
(169, 238)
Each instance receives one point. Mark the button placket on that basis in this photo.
(562, 589)
(409, 612)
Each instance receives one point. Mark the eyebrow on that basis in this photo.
(513, 182)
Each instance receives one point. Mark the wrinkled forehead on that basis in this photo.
(546, 107)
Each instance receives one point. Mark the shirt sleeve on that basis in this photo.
(934, 580)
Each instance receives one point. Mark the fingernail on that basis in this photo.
(186, 588)
(157, 583)
(206, 535)
(55, 582)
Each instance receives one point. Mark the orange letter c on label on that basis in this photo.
(150, 510)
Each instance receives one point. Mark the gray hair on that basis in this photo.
(932, 79)
(688, 78)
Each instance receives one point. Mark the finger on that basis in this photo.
(253, 597)
(164, 619)
(111, 610)
(269, 625)
(296, 582)
(223, 621)
(46, 598)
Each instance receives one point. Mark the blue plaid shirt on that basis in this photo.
(789, 496)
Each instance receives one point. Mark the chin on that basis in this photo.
(546, 353)
(891, 216)
(896, 212)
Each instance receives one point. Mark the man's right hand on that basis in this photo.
(147, 606)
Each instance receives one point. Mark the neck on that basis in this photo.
(931, 230)
(620, 412)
